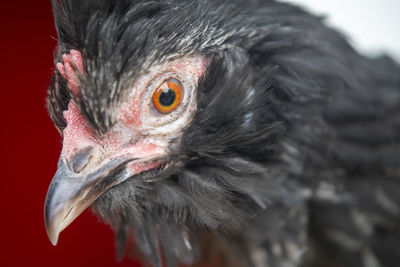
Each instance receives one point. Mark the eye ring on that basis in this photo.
(168, 96)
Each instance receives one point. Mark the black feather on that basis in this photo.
(294, 149)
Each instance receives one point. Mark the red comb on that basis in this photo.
(74, 58)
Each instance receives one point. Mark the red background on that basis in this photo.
(29, 150)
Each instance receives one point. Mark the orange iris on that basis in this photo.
(168, 96)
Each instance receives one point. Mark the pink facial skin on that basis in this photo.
(125, 139)
(78, 135)
(130, 112)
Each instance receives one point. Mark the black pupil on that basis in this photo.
(167, 97)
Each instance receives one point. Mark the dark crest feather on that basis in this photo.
(294, 147)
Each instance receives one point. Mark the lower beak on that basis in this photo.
(70, 193)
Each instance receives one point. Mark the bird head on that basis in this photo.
(169, 120)
(146, 122)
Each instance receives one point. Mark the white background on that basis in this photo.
(372, 26)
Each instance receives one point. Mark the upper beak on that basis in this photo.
(71, 192)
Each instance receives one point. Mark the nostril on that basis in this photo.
(81, 159)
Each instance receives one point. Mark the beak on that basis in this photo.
(70, 193)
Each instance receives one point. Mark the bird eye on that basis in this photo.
(168, 96)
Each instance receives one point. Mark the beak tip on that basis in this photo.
(52, 234)
(53, 239)
(53, 242)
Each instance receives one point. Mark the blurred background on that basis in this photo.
(372, 26)
(30, 145)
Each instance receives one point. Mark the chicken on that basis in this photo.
(225, 133)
